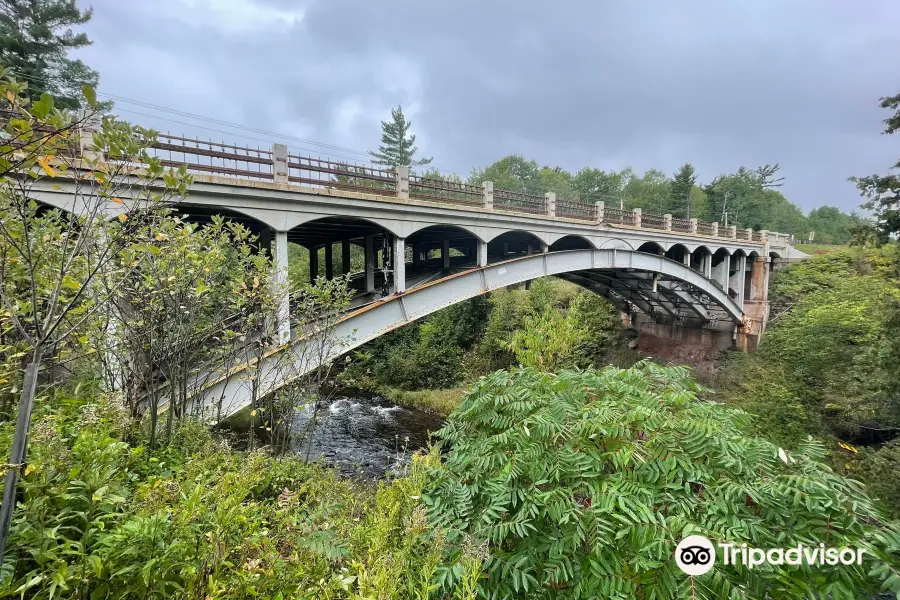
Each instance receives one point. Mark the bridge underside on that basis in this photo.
(659, 288)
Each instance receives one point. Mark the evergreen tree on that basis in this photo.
(685, 178)
(35, 36)
(398, 146)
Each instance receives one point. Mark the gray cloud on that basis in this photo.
(605, 84)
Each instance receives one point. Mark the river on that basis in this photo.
(363, 435)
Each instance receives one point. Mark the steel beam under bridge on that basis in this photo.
(625, 284)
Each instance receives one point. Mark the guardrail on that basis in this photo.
(571, 209)
(650, 221)
(277, 165)
(212, 157)
(445, 192)
(515, 202)
(682, 225)
(615, 215)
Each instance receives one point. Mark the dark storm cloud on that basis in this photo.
(606, 84)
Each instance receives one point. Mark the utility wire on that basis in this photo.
(230, 124)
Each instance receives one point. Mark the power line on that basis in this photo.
(229, 124)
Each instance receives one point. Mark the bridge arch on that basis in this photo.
(678, 253)
(571, 242)
(428, 243)
(615, 244)
(700, 256)
(652, 248)
(627, 276)
(513, 243)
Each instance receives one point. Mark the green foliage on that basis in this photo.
(681, 192)
(600, 329)
(582, 483)
(883, 191)
(880, 467)
(35, 39)
(101, 519)
(398, 146)
(827, 365)
(512, 172)
(546, 341)
(510, 307)
(831, 225)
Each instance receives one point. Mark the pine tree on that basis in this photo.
(398, 146)
(35, 36)
(681, 188)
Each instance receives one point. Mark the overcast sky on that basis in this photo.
(601, 83)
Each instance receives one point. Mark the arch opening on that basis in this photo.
(513, 244)
(701, 259)
(336, 246)
(571, 242)
(652, 248)
(440, 248)
(679, 253)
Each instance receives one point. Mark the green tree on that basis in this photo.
(593, 184)
(546, 341)
(56, 260)
(398, 146)
(650, 192)
(883, 191)
(557, 180)
(682, 186)
(832, 225)
(513, 173)
(35, 38)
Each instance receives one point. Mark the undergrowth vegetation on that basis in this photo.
(101, 516)
(580, 484)
(828, 364)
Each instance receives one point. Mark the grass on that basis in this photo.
(442, 402)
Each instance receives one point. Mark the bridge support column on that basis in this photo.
(759, 278)
(707, 265)
(736, 281)
(329, 261)
(481, 250)
(370, 256)
(687, 258)
(400, 265)
(345, 257)
(283, 317)
(445, 254)
(313, 265)
(722, 272)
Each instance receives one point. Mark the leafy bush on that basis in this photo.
(101, 519)
(582, 483)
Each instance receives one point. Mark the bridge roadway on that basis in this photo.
(458, 241)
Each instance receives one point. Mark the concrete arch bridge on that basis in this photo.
(414, 245)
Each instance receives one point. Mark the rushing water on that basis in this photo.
(363, 435)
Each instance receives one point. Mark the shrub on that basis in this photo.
(582, 484)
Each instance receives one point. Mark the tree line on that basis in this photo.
(747, 198)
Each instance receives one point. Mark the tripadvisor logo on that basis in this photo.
(696, 555)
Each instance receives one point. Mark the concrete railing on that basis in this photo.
(280, 166)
